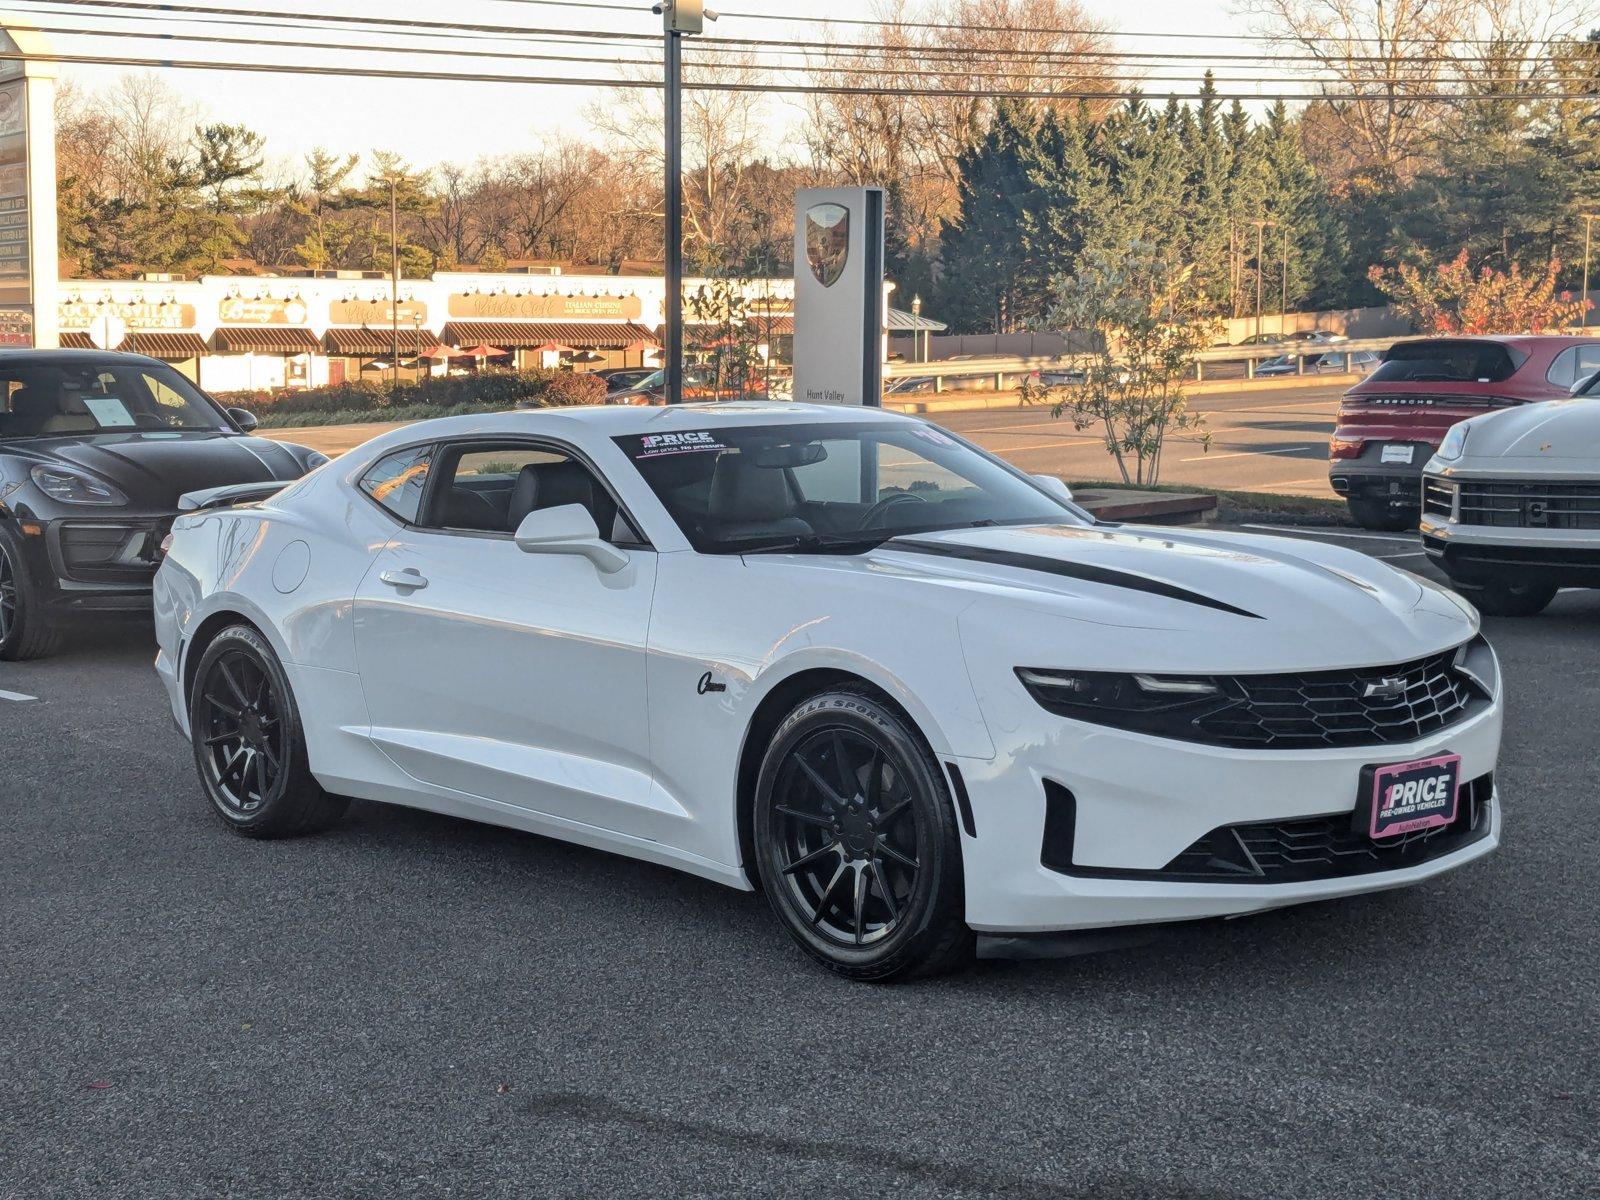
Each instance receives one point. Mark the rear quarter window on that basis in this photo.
(397, 481)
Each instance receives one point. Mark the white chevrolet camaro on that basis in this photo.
(920, 699)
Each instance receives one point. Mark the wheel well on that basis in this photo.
(203, 637)
(769, 714)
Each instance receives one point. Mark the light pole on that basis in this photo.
(394, 286)
(1261, 230)
(916, 328)
(678, 17)
(1588, 230)
(1283, 300)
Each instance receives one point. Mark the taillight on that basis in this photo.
(1345, 447)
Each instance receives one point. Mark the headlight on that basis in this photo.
(1454, 444)
(314, 459)
(1132, 701)
(74, 487)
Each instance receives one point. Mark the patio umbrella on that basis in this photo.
(440, 353)
(482, 351)
(588, 356)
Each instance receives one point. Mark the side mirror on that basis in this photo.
(244, 419)
(568, 529)
(1054, 486)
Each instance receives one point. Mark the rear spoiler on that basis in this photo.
(234, 493)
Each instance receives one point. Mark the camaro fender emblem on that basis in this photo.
(1384, 689)
(707, 684)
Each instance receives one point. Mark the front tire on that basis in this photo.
(856, 841)
(1505, 599)
(1381, 515)
(26, 630)
(248, 744)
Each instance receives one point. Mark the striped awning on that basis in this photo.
(368, 340)
(175, 346)
(266, 339)
(757, 324)
(520, 335)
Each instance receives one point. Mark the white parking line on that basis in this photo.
(1243, 454)
(5, 695)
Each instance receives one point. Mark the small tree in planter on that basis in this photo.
(1147, 321)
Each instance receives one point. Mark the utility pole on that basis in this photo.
(678, 17)
(394, 284)
(1261, 229)
(1588, 230)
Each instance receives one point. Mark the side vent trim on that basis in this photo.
(963, 801)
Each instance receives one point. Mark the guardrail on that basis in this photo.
(1009, 372)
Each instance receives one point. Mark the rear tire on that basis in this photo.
(1505, 599)
(856, 841)
(1381, 515)
(26, 630)
(249, 748)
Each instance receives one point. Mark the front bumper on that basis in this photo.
(96, 564)
(1516, 545)
(1141, 801)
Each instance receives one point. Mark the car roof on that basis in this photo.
(620, 420)
(21, 357)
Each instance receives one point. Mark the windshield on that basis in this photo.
(1448, 362)
(836, 487)
(45, 399)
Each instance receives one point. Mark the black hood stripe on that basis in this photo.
(1070, 570)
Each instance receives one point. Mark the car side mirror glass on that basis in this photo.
(244, 419)
(568, 529)
(1054, 486)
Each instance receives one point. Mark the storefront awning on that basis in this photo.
(756, 324)
(174, 346)
(368, 340)
(525, 335)
(266, 339)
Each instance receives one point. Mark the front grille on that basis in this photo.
(1332, 846)
(1438, 497)
(1372, 706)
(1530, 505)
(110, 551)
(1326, 847)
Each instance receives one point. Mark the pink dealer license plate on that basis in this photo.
(1405, 797)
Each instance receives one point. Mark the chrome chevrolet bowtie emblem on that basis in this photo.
(1384, 689)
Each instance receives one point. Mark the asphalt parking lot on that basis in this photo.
(416, 1006)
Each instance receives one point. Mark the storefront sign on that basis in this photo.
(16, 327)
(377, 312)
(485, 307)
(13, 180)
(79, 313)
(262, 310)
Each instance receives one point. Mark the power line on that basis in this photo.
(849, 73)
(764, 88)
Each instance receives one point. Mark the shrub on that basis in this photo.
(569, 388)
(486, 391)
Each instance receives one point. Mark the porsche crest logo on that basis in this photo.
(827, 241)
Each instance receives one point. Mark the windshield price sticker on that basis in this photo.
(108, 411)
(654, 445)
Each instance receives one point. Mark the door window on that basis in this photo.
(492, 489)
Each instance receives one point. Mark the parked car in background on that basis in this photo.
(1511, 504)
(698, 384)
(621, 379)
(1391, 423)
(1359, 362)
(95, 449)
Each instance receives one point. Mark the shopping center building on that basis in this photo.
(245, 332)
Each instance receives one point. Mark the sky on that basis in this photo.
(430, 121)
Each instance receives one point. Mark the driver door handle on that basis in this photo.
(408, 578)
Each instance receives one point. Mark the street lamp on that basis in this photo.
(678, 17)
(1588, 230)
(916, 328)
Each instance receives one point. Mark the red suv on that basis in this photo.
(1391, 422)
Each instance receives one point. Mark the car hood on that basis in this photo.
(1205, 600)
(1555, 429)
(154, 469)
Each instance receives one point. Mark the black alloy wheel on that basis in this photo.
(249, 747)
(856, 840)
(25, 631)
(242, 731)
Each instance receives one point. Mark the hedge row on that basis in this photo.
(487, 391)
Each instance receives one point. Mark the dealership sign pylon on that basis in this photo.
(838, 295)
